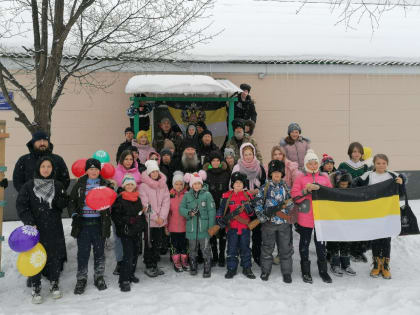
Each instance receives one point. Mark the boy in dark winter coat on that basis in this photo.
(40, 203)
(127, 214)
(238, 233)
(89, 227)
(218, 181)
(272, 212)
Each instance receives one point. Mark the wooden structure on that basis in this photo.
(3, 137)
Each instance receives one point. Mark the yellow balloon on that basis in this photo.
(32, 262)
(368, 153)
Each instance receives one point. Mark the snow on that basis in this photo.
(179, 84)
(181, 293)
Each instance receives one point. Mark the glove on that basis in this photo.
(4, 183)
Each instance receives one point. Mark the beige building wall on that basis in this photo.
(380, 111)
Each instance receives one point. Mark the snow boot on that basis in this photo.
(386, 273)
(151, 272)
(160, 272)
(100, 283)
(306, 271)
(36, 295)
(117, 269)
(323, 271)
(287, 278)
(247, 272)
(134, 279)
(193, 266)
(207, 269)
(230, 274)
(55, 290)
(125, 286)
(176, 259)
(264, 276)
(377, 267)
(80, 286)
(184, 262)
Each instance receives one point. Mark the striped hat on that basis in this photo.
(128, 179)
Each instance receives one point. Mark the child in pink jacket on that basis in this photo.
(304, 184)
(177, 223)
(154, 192)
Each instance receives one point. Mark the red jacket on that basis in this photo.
(234, 202)
(176, 222)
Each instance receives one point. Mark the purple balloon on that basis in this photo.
(23, 238)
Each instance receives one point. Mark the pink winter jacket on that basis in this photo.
(144, 151)
(296, 152)
(121, 171)
(176, 222)
(155, 193)
(307, 219)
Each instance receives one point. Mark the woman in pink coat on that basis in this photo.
(154, 192)
(292, 168)
(295, 145)
(127, 165)
(304, 184)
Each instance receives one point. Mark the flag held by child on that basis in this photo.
(357, 214)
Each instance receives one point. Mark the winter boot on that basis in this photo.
(134, 279)
(230, 274)
(100, 283)
(36, 294)
(287, 278)
(80, 286)
(306, 271)
(184, 262)
(247, 272)
(377, 267)
(55, 290)
(125, 286)
(117, 269)
(160, 272)
(151, 272)
(207, 269)
(176, 259)
(323, 271)
(264, 276)
(193, 266)
(386, 274)
(335, 266)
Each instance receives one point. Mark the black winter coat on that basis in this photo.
(218, 181)
(32, 211)
(77, 202)
(168, 170)
(245, 109)
(25, 167)
(124, 211)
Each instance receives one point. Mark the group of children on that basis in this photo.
(248, 202)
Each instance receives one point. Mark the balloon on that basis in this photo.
(107, 170)
(23, 238)
(100, 198)
(78, 168)
(367, 154)
(102, 156)
(32, 262)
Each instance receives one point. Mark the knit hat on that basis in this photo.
(342, 176)
(40, 135)
(128, 179)
(238, 123)
(189, 143)
(326, 159)
(151, 166)
(229, 152)
(140, 134)
(245, 86)
(293, 126)
(276, 166)
(195, 177)
(310, 156)
(178, 177)
(93, 163)
(238, 176)
(165, 151)
(207, 132)
(128, 129)
(215, 154)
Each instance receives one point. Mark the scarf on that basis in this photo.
(252, 170)
(130, 196)
(44, 189)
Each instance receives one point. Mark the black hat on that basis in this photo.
(276, 166)
(189, 143)
(133, 148)
(238, 123)
(92, 163)
(251, 124)
(342, 176)
(128, 129)
(165, 151)
(238, 176)
(215, 154)
(40, 135)
(245, 86)
(207, 132)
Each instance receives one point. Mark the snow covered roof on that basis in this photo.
(179, 84)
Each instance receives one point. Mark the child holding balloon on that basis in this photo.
(40, 203)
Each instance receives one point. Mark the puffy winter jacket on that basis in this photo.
(236, 199)
(307, 219)
(176, 222)
(121, 171)
(155, 193)
(205, 203)
(296, 150)
(125, 214)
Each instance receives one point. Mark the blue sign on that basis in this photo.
(3, 103)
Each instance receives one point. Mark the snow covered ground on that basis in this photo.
(183, 294)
